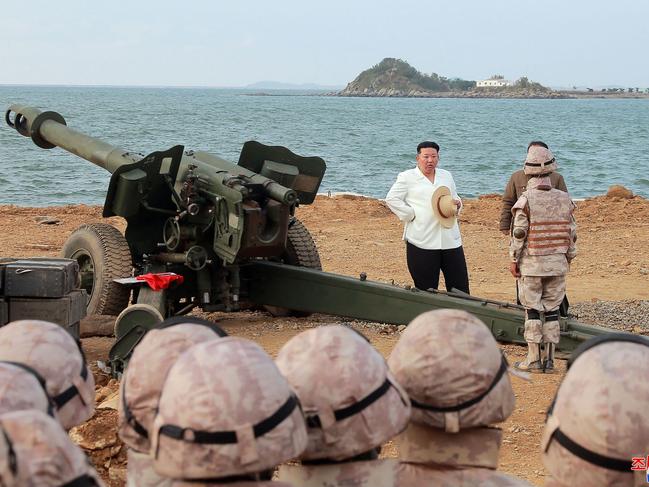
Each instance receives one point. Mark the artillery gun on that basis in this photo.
(228, 234)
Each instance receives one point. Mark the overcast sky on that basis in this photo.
(217, 43)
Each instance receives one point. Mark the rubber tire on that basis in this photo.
(301, 251)
(300, 248)
(106, 249)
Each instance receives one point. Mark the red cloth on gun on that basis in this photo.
(161, 280)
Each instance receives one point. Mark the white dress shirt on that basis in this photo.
(410, 199)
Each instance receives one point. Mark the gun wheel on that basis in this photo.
(103, 255)
(300, 251)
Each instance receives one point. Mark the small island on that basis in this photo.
(396, 78)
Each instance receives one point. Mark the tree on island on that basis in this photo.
(524, 83)
(398, 74)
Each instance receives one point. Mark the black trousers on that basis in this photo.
(424, 266)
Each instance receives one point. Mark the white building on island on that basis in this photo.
(494, 82)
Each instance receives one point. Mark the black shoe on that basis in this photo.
(548, 366)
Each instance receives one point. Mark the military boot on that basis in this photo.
(547, 358)
(533, 336)
(532, 362)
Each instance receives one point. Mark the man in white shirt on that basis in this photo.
(430, 247)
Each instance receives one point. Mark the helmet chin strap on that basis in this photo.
(609, 463)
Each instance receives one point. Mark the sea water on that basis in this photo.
(365, 142)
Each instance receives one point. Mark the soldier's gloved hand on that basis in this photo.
(513, 268)
(505, 232)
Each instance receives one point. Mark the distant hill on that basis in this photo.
(278, 85)
(397, 78)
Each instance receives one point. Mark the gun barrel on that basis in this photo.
(48, 130)
(274, 190)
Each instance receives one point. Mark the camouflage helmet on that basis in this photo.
(40, 453)
(225, 410)
(351, 400)
(21, 387)
(539, 161)
(57, 357)
(145, 375)
(543, 183)
(598, 420)
(451, 366)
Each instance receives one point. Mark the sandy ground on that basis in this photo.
(356, 234)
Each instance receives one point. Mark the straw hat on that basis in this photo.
(443, 207)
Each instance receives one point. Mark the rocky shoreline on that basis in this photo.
(483, 93)
(396, 93)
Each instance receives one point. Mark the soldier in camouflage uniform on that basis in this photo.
(21, 388)
(226, 417)
(141, 388)
(352, 404)
(542, 246)
(598, 422)
(57, 358)
(458, 382)
(516, 186)
(36, 452)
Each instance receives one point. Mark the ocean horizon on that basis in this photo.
(365, 142)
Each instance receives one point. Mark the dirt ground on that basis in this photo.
(356, 234)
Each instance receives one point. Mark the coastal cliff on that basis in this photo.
(396, 78)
